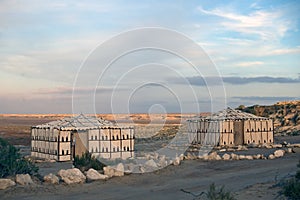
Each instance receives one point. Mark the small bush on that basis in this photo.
(218, 194)
(87, 161)
(12, 163)
(291, 188)
(213, 194)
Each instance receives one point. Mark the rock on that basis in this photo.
(271, 157)
(267, 146)
(142, 169)
(151, 163)
(108, 171)
(156, 155)
(93, 175)
(181, 157)
(213, 156)
(226, 156)
(114, 171)
(276, 145)
(162, 161)
(218, 157)
(242, 148)
(222, 150)
(51, 178)
(289, 150)
(249, 157)
(258, 156)
(119, 171)
(71, 176)
(279, 153)
(148, 156)
(23, 179)
(6, 183)
(284, 143)
(296, 145)
(176, 161)
(190, 156)
(234, 156)
(230, 149)
(242, 157)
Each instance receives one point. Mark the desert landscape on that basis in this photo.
(259, 177)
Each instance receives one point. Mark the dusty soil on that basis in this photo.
(247, 179)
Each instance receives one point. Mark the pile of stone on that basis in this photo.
(232, 156)
(21, 179)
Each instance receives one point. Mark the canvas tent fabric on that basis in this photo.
(230, 127)
(66, 138)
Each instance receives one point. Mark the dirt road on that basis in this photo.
(244, 177)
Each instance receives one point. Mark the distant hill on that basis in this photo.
(286, 115)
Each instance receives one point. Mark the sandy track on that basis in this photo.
(245, 177)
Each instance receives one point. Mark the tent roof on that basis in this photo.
(232, 114)
(79, 122)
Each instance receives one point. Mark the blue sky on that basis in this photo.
(254, 44)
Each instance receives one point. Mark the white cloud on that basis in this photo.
(250, 64)
(283, 51)
(268, 25)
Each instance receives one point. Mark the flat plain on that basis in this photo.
(247, 179)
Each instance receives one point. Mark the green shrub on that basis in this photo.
(213, 194)
(218, 194)
(11, 161)
(87, 161)
(291, 188)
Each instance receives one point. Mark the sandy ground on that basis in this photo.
(247, 179)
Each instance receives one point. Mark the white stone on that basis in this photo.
(279, 153)
(222, 150)
(142, 169)
(213, 156)
(249, 157)
(151, 163)
(190, 156)
(181, 157)
(226, 156)
(71, 176)
(119, 171)
(218, 157)
(23, 179)
(267, 146)
(296, 145)
(242, 157)
(176, 161)
(234, 156)
(114, 171)
(241, 148)
(6, 183)
(271, 157)
(93, 175)
(156, 155)
(289, 150)
(51, 178)
(276, 145)
(108, 171)
(258, 156)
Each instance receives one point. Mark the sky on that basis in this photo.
(54, 55)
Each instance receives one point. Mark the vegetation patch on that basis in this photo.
(291, 187)
(213, 193)
(87, 161)
(12, 163)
